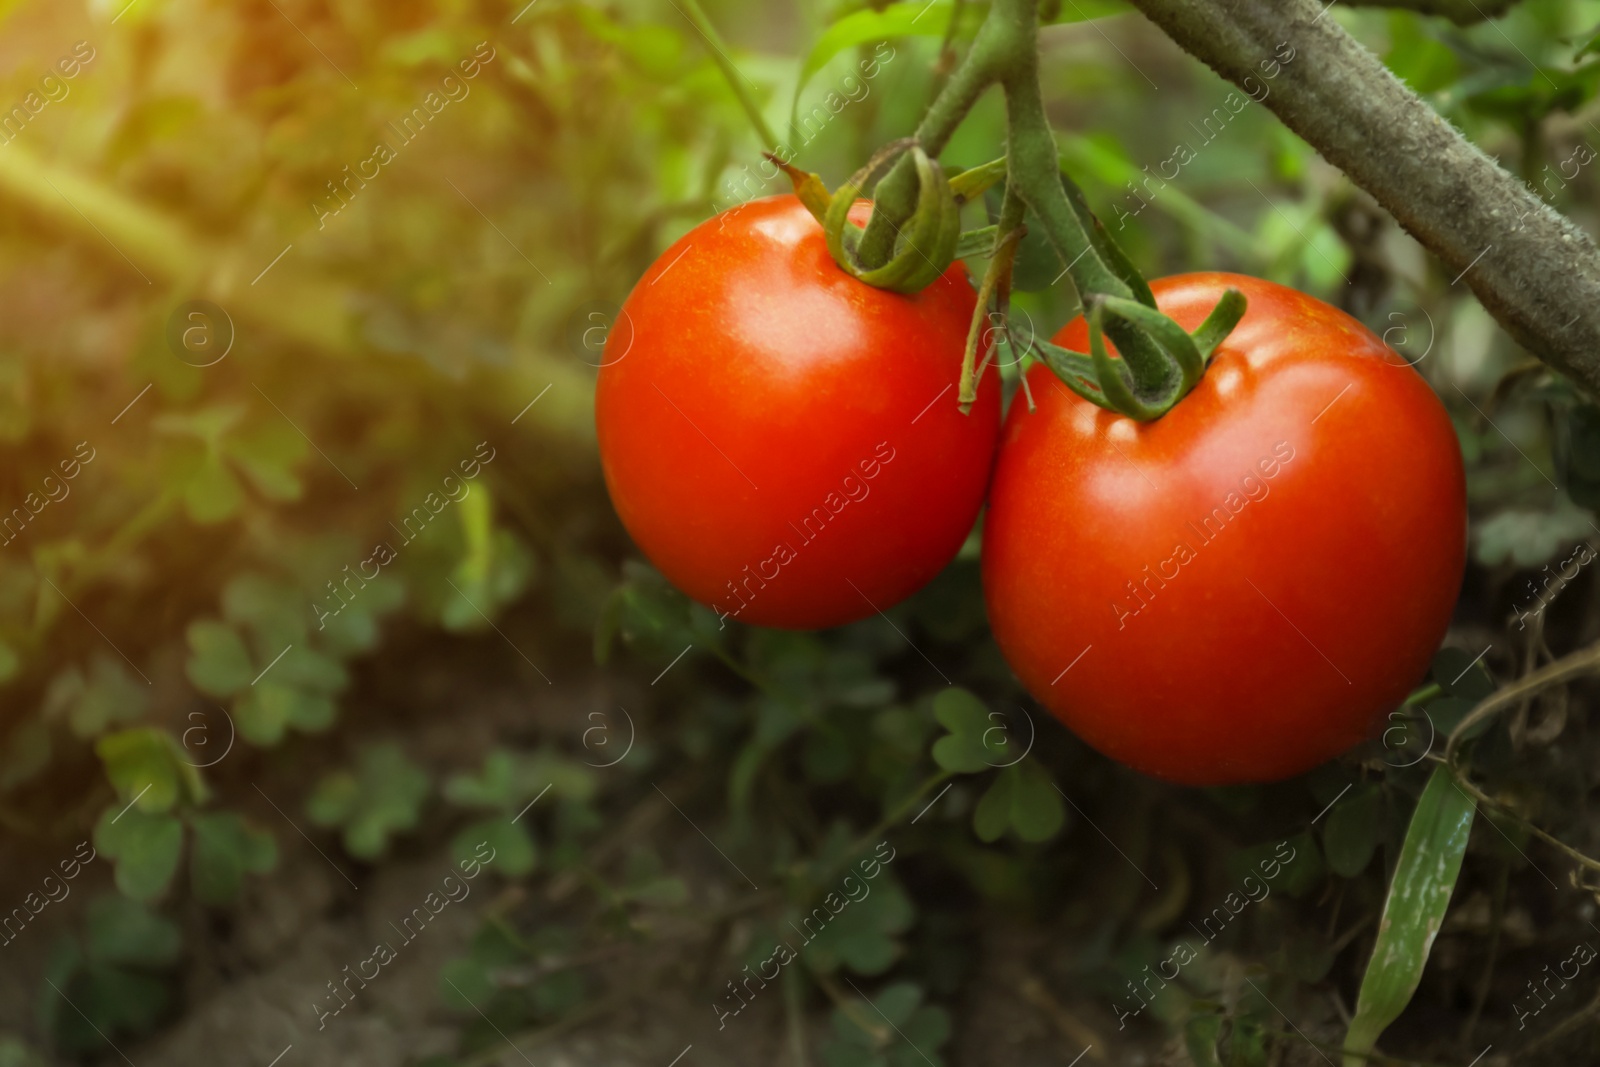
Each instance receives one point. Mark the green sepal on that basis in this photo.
(1167, 334)
(1219, 324)
(1118, 390)
(924, 250)
(1076, 371)
(971, 184)
(809, 187)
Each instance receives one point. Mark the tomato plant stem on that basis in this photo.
(895, 198)
(1006, 52)
(741, 88)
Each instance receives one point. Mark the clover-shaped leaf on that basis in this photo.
(294, 684)
(977, 740)
(148, 769)
(353, 627)
(212, 494)
(272, 609)
(210, 447)
(510, 779)
(219, 663)
(1292, 865)
(499, 785)
(892, 1029)
(382, 796)
(267, 453)
(515, 853)
(1350, 835)
(1022, 799)
(145, 848)
(226, 847)
(861, 934)
(1530, 538)
(107, 695)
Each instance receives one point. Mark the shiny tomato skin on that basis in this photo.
(783, 441)
(1241, 589)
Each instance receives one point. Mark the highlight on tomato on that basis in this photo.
(782, 440)
(1240, 589)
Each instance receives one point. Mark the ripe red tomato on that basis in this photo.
(1236, 591)
(782, 440)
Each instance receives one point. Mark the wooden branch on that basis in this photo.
(1460, 12)
(1536, 272)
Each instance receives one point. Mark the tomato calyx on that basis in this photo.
(924, 247)
(914, 234)
(1150, 378)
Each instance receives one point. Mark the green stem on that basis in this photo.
(719, 55)
(1032, 161)
(895, 198)
(794, 1012)
(1034, 169)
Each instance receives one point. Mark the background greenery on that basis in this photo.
(164, 604)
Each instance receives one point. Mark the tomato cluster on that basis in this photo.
(1233, 592)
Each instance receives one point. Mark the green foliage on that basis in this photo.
(1419, 893)
(652, 617)
(15, 1053)
(380, 797)
(220, 525)
(1023, 800)
(509, 784)
(108, 695)
(893, 1029)
(864, 935)
(1528, 538)
(226, 848)
(109, 981)
(1351, 835)
(263, 656)
(148, 769)
(145, 848)
(972, 743)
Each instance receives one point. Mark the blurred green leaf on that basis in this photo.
(1530, 538)
(1419, 893)
(1022, 799)
(1200, 1035)
(976, 741)
(892, 1029)
(1462, 674)
(225, 849)
(125, 932)
(862, 935)
(147, 767)
(219, 663)
(515, 853)
(1417, 57)
(381, 797)
(144, 847)
(1351, 833)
